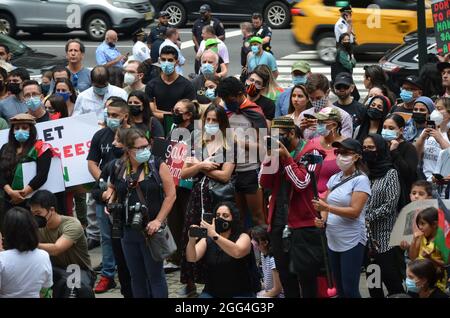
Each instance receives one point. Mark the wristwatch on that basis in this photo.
(215, 237)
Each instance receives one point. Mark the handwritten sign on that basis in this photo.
(441, 20)
(173, 153)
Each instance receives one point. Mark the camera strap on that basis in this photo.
(357, 173)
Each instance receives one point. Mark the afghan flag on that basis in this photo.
(35, 152)
(442, 239)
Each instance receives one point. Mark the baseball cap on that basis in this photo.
(256, 15)
(284, 122)
(349, 144)
(210, 42)
(343, 79)
(139, 32)
(256, 39)
(413, 80)
(164, 14)
(301, 66)
(347, 8)
(205, 8)
(328, 113)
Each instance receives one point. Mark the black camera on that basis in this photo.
(198, 232)
(311, 159)
(116, 211)
(208, 217)
(138, 213)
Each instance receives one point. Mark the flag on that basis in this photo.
(442, 239)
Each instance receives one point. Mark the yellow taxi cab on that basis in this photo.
(379, 25)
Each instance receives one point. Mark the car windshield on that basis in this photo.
(17, 48)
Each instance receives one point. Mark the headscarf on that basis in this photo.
(383, 164)
(365, 124)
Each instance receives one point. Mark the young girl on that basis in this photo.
(272, 283)
(422, 279)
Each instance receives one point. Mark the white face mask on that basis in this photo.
(437, 117)
(344, 162)
(129, 78)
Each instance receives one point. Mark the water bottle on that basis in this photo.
(286, 237)
(102, 184)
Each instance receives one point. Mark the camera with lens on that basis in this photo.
(116, 211)
(311, 159)
(138, 216)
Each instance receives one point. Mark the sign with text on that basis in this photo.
(441, 20)
(71, 138)
(174, 154)
(55, 179)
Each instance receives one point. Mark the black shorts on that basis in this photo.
(247, 182)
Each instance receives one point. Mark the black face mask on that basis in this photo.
(374, 113)
(370, 157)
(419, 118)
(111, 45)
(222, 225)
(117, 152)
(347, 45)
(45, 88)
(41, 221)
(177, 119)
(285, 141)
(14, 88)
(135, 110)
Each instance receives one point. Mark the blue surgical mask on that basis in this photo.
(210, 93)
(406, 96)
(255, 49)
(21, 135)
(65, 95)
(207, 69)
(113, 123)
(167, 67)
(211, 129)
(388, 134)
(143, 155)
(100, 90)
(33, 103)
(299, 80)
(322, 130)
(411, 286)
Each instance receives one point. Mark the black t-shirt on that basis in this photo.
(200, 23)
(168, 95)
(101, 146)
(262, 32)
(46, 117)
(355, 109)
(199, 86)
(267, 105)
(156, 129)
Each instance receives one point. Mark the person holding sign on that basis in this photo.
(23, 146)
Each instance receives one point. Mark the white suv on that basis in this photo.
(95, 17)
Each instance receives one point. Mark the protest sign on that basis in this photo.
(173, 153)
(441, 19)
(55, 179)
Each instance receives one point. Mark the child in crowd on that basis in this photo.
(272, 283)
(422, 279)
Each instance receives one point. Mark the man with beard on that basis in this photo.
(343, 88)
(163, 23)
(14, 104)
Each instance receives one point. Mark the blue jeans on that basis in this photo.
(346, 268)
(147, 276)
(109, 264)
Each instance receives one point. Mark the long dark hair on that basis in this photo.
(20, 230)
(73, 97)
(291, 108)
(425, 268)
(365, 124)
(147, 113)
(399, 121)
(341, 46)
(259, 233)
(236, 228)
(428, 215)
(59, 105)
(221, 115)
(9, 158)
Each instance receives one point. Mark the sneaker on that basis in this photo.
(170, 267)
(188, 291)
(104, 284)
(98, 268)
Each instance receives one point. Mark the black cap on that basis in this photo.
(442, 66)
(346, 9)
(138, 32)
(163, 14)
(349, 144)
(413, 80)
(205, 8)
(343, 78)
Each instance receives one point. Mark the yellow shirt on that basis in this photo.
(430, 248)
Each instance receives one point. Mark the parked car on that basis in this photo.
(35, 62)
(95, 17)
(275, 13)
(313, 24)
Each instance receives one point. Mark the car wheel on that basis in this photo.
(96, 26)
(326, 48)
(177, 14)
(277, 15)
(7, 24)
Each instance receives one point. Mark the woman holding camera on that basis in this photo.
(145, 184)
(227, 252)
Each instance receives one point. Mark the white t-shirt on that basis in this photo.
(431, 150)
(267, 265)
(222, 50)
(141, 52)
(24, 274)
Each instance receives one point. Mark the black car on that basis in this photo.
(35, 62)
(275, 13)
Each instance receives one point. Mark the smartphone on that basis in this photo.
(199, 232)
(431, 124)
(208, 217)
(308, 116)
(438, 176)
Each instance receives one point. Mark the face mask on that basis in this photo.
(65, 95)
(406, 96)
(55, 116)
(322, 130)
(167, 67)
(347, 45)
(177, 119)
(374, 113)
(207, 69)
(222, 225)
(299, 80)
(14, 88)
(251, 90)
(437, 117)
(129, 78)
(143, 155)
(44, 88)
(370, 156)
(319, 104)
(100, 90)
(388, 134)
(21, 135)
(419, 118)
(135, 110)
(211, 129)
(33, 103)
(113, 123)
(111, 45)
(41, 221)
(285, 141)
(232, 107)
(210, 93)
(411, 286)
(344, 162)
(255, 49)
(117, 152)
